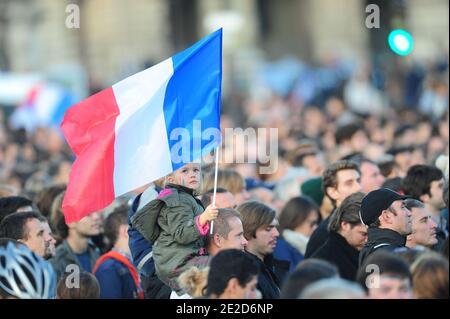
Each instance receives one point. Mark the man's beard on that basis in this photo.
(49, 253)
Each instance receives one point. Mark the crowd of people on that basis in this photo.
(357, 208)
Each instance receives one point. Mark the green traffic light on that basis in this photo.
(401, 42)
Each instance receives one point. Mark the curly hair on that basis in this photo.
(194, 281)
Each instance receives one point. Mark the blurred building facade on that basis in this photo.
(117, 38)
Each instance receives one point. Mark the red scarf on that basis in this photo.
(124, 260)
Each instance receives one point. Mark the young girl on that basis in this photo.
(176, 223)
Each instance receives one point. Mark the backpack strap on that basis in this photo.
(126, 262)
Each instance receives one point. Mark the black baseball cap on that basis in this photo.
(375, 202)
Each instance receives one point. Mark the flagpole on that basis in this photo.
(215, 185)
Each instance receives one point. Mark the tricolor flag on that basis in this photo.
(44, 106)
(128, 135)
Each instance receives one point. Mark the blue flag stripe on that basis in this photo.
(194, 93)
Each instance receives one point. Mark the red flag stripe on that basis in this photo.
(89, 128)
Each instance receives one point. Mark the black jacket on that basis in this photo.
(318, 238)
(381, 238)
(337, 251)
(271, 274)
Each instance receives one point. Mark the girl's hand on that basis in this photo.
(210, 213)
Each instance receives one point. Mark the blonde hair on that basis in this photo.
(229, 179)
(430, 277)
(160, 182)
(194, 281)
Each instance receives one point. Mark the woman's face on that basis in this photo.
(309, 224)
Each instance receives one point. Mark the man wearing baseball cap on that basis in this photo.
(388, 219)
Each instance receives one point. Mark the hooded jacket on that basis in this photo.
(381, 238)
(171, 223)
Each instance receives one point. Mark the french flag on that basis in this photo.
(44, 106)
(123, 136)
